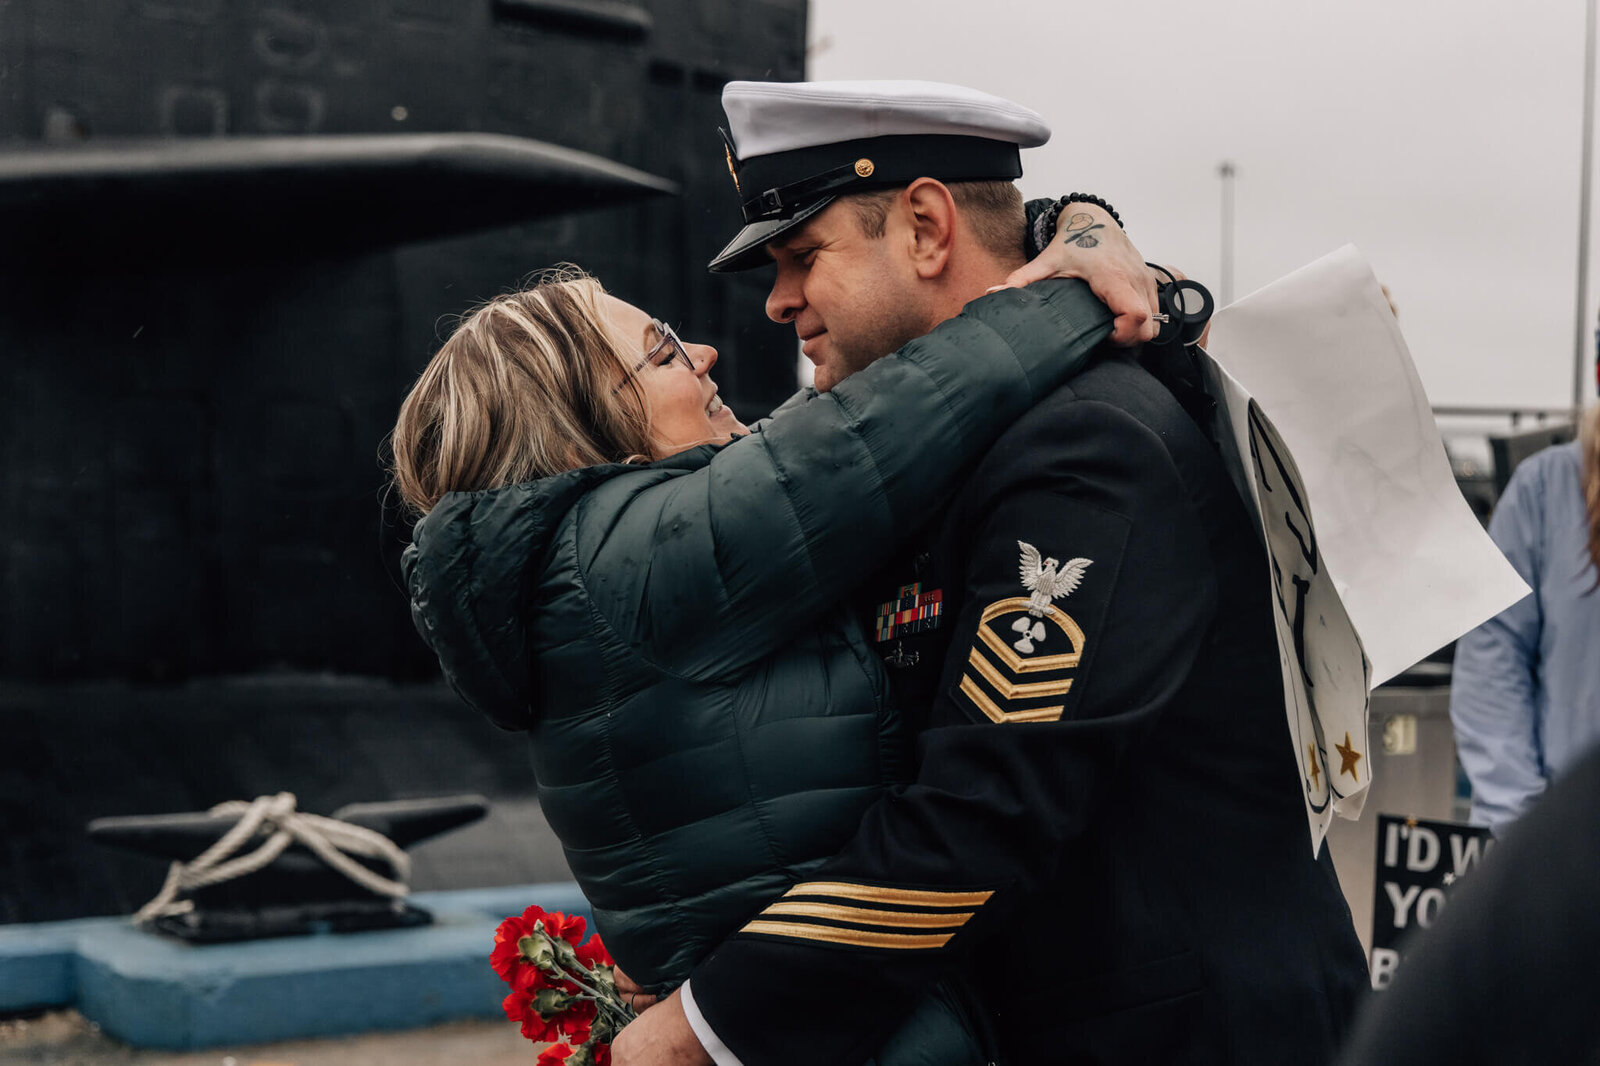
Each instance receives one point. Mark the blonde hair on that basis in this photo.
(526, 387)
(1589, 447)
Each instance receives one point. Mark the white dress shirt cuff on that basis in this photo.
(702, 1030)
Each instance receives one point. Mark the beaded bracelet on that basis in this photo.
(1085, 198)
(1045, 225)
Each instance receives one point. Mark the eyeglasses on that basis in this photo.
(669, 340)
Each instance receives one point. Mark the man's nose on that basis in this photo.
(784, 301)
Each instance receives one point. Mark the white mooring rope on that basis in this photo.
(332, 840)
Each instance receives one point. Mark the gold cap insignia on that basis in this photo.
(864, 168)
(733, 171)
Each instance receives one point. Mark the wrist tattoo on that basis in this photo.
(1080, 231)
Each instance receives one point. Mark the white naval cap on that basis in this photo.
(793, 146)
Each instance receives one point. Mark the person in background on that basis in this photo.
(1525, 693)
(1506, 976)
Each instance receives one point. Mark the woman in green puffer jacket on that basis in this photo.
(611, 562)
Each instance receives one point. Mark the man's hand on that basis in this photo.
(659, 1037)
(1090, 245)
(632, 994)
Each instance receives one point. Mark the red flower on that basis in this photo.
(593, 953)
(519, 1008)
(505, 957)
(570, 929)
(576, 1021)
(514, 1004)
(518, 926)
(554, 1055)
(529, 978)
(562, 950)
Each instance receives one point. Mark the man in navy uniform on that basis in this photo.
(1107, 828)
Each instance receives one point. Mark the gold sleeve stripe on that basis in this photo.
(867, 916)
(1034, 663)
(904, 897)
(1018, 663)
(1009, 691)
(981, 700)
(851, 937)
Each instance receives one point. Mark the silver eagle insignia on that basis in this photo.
(1047, 580)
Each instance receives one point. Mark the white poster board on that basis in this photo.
(1375, 558)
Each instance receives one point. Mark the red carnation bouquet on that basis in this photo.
(562, 991)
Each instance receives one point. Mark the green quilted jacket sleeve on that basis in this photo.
(706, 572)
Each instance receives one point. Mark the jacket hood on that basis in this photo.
(471, 570)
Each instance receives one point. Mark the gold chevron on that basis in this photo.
(905, 897)
(1006, 690)
(995, 714)
(868, 916)
(852, 937)
(1016, 663)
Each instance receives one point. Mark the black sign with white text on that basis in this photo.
(1418, 863)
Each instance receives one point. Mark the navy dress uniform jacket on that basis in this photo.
(1106, 829)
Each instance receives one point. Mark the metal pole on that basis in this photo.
(1225, 172)
(1580, 339)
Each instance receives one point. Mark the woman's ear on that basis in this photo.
(931, 211)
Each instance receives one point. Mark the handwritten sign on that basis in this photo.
(1374, 557)
(1418, 864)
(1327, 678)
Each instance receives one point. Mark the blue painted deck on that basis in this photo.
(95, 749)
(150, 991)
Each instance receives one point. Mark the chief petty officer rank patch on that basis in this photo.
(1022, 664)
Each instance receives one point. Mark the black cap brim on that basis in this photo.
(748, 249)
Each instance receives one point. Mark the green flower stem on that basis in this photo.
(621, 1010)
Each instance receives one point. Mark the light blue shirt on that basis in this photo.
(1525, 693)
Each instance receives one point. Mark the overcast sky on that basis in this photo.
(1441, 137)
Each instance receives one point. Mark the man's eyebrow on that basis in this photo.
(788, 242)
